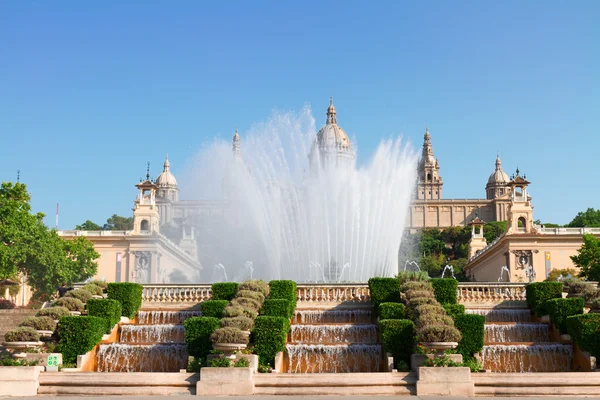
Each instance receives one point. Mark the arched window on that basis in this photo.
(429, 177)
(145, 225)
(522, 222)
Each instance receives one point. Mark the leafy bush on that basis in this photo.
(391, 311)
(270, 334)
(22, 334)
(6, 304)
(454, 310)
(39, 323)
(93, 289)
(194, 365)
(561, 309)
(258, 296)
(416, 285)
(438, 333)
(55, 313)
(240, 322)
(78, 335)
(428, 309)
(384, 290)
(555, 273)
(284, 289)
(446, 290)
(107, 309)
(412, 276)
(277, 308)
(233, 311)
(221, 362)
(472, 330)
(398, 338)
(539, 292)
(100, 283)
(585, 331)
(413, 294)
(229, 335)
(250, 313)
(246, 303)
(224, 290)
(434, 319)
(256, 285)
(242, 363)
(71, 303)
(213, 308)
(197, 335)
(419, 301)
(129, 294)
(584, 290)
(79, 294)
(595, 304)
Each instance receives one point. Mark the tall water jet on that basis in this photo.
(296, 199)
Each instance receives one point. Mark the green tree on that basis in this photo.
(587, 218)
(588, 258)
(118, 223)
(28, 247)
(88, 226)
(492, 230)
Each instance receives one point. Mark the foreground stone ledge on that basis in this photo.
(445, 381)
(19, 381)
(225, 382)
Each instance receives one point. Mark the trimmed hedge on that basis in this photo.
(78, 335)
(398, 338)
(585, 331)
(197, 335)
(391, 311)
(561, 309)
(224, 290)
(213, 308)
(71, 303)
(39, 323)
(93, 289)
(107, 309)
(454, 310)
(270, 334)
(80, 294)
(55, 313)
(384, 290)
(284, 289)
(446, 290)
(277, 308)
(472, 329)
(539, 292)
(129, 294)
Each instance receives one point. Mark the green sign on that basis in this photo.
(52, 361)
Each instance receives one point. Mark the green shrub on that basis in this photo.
(270, 334)
(585, 290)
(129, 294)
(391, 311)
(22, 334)
(258, 296)
(413, 294)
(560, 309)
(224, 290)
(100, 283)
(93, 289)
(585, 331)
(242, 363)
(472, 330)
(384, 290)
(39, 323)
(70, 303)
(428, 309)
(107, 309)
(55, 313)
(415, 285)
(284, 289)
(229, 335)
(413, 276)
(233, 311)
(419, 301)
(454, 310)
(245, 302)
(78, 335)
(197, 335)
(434, 319)
(241, 322)
(256, 285)
(80, 294)
(277, 308)
(539, 292)
(220, 362)
(438, 333)
(398, 338)
(446, 290)
(213, 308)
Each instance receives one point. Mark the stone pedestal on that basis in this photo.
(19, 381)
(445, 381)
(417, 360)
(225, 382)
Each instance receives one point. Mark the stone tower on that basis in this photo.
(167, 193)
(477, 242)
(520, 211)
(332, 145)
(497, 184)
(145, 211)
(430, 182)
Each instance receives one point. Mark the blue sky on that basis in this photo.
(89, 91)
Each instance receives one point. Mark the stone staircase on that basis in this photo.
(10, 319)
(537, 384)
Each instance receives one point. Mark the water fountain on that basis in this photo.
(411, 266)
(216, 269)
(448, 268)
(504, 269)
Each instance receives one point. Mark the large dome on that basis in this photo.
(331, 135)
(166, 178)
(498, 176)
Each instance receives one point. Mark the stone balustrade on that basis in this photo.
(491, 292)
(176, 293)
(315, 293)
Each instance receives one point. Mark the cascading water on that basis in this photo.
(366, 333)
(152, 334)
(503, 315)
(156, 317)
(523, 332)
(358, 316)
(289, 212)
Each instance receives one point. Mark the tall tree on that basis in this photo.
(88, 226)
(587, 218)
(588, 258)
(28, 247)
(118, 223)
(493, 229)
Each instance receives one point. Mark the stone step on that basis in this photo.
(337, 390)
(115, 379)
(534, 379)
(117, 390)
(537, 391)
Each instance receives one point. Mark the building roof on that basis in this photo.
(331, 135)
(166, 178)
(498, 176)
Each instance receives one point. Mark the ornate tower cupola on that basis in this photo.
(477, 242)
(497, 184)
(520, 212)
(167, 184)
(332, 144)
(145, 212)
(430, 182)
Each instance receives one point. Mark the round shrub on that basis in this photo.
(22, 334)
(255, 286)
(233, 311)
(39, 323)
(55, 313)
(80, 294)
(6, 304)
(100, 283)
(429, 309)
(250, 313)
(438, 333)
(434, 319)
(246, 303)
(413, 294)
(93, 289)
(249, 294)
(419, 301)
(229, 335)
(241, 322)
(416, 285)
(71, 303)
(595, 304)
